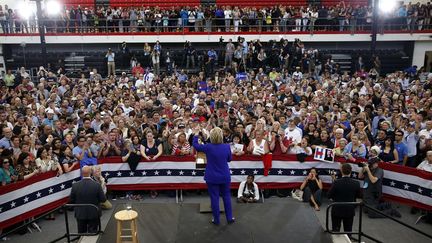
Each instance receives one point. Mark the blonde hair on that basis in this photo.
(95, 169)
(216, 135)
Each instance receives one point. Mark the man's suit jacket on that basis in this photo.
(344, 189)
(87, 191)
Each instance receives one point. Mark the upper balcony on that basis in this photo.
(173, 21)
(175, 30)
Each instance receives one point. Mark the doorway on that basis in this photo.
(428, 61)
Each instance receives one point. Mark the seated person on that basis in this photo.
(248, 191)
(312, 188)
(97, 176)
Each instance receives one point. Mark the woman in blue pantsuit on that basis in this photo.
(217, 173)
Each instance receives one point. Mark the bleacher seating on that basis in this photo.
(241, 3)
(353, 3)
(75, 3)
(261, 3)
(154, 3)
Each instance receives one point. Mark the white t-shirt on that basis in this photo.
(425, 165)
(258, 149)
(139, 82)
(228, 14)
(293, 135)
(242, 189)
(127, 109)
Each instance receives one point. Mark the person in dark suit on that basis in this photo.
(344, 189)
(217, 173)
(87, 191)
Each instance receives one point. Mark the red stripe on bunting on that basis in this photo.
(117, 159)
(407, 201)
(406, 170)
(34, 212)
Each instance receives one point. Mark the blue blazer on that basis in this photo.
(218, 155)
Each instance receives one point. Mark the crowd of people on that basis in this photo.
(59, 123)
(341, 17)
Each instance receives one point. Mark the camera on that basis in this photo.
(277, 136)
(362, 165)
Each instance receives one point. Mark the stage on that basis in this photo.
(262, 222)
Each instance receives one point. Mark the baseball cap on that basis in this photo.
(375, 149)
(49, 110)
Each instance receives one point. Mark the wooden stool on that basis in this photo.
(126, 216)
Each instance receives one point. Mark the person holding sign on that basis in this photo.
(217, 173)
(236, 147)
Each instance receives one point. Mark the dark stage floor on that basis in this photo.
(263, 222)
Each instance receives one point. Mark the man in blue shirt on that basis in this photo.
(83, 153)
(5, 142)
(402, 13)
(184, 16)
(50, 117)
(411, 141)
(182, 77)
(401, 148)
(212, 57)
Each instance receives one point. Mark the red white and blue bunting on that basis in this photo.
(42, 193)
(402, 184)
(35, 196)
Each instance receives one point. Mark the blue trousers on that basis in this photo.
(214, 191)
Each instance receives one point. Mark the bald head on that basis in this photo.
(7, 132)
(86, 171)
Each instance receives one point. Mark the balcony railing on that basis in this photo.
(213, 26)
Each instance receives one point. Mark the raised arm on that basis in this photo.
(198, 147)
